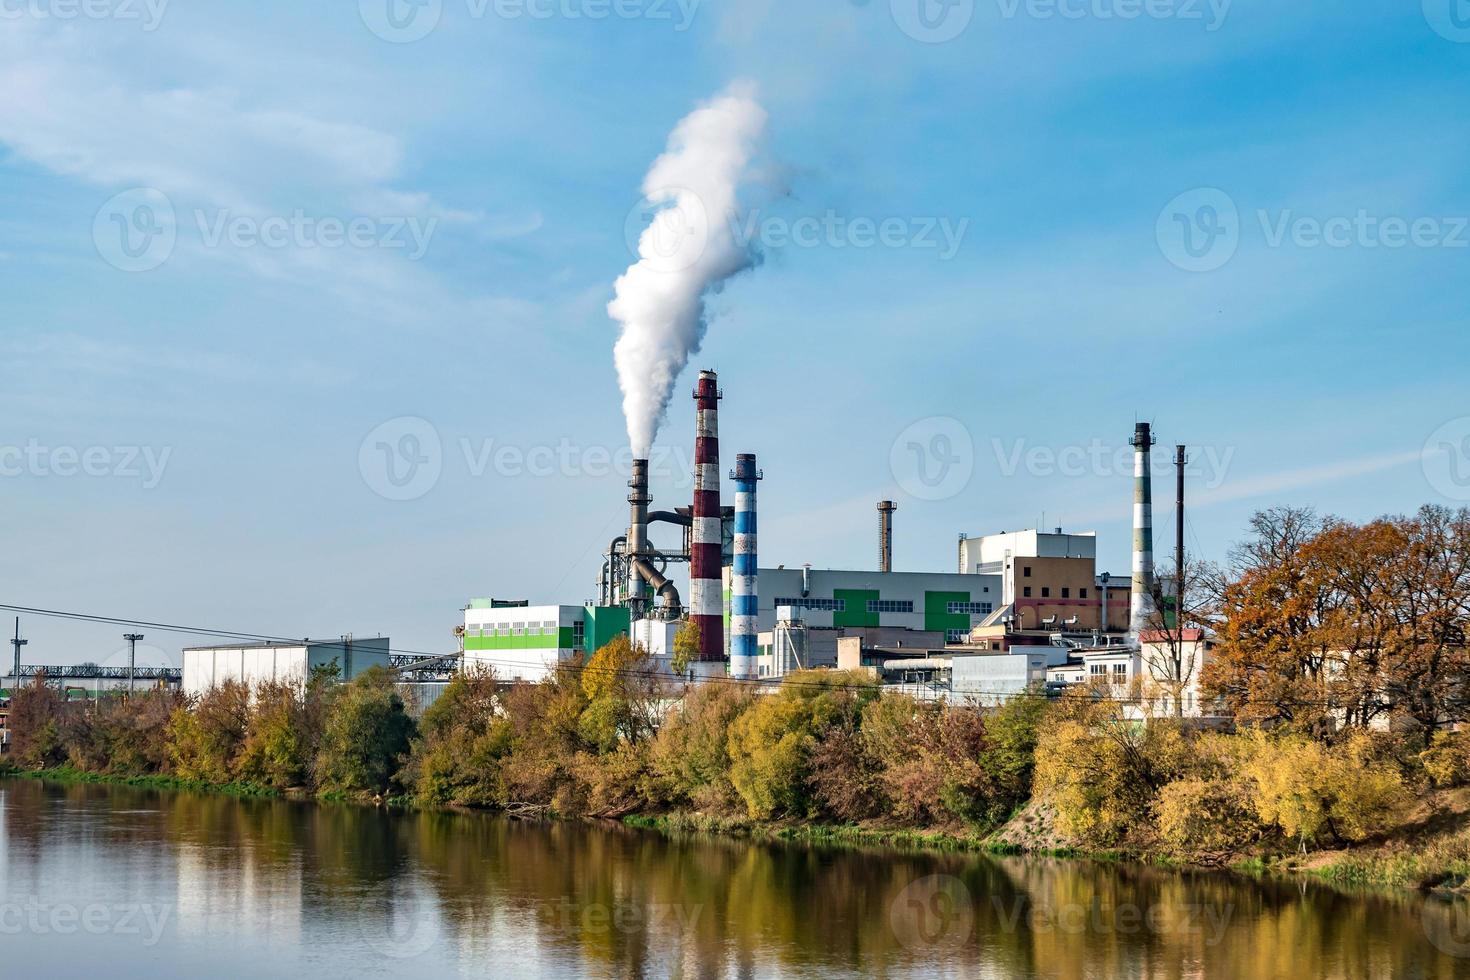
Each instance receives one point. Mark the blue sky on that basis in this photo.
(1069, 154)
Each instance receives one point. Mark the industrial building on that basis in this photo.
(942, 602)
(521, 642)
(291, 663)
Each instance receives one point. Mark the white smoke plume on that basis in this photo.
(687, 252)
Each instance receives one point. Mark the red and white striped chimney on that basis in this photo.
(706, 607)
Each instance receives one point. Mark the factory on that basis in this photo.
(253, 664)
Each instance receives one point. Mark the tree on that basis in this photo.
(690, 758)
(37, 714)
(205, 739)
(366, 735)
(275, 752)
(771, 744)
(686, 646)
(1171, 660)
(623, 695)
(463, 746)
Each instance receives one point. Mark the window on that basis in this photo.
(825, 605)
(889, 606)
(1026, 592)
(1082, 593)
(1097, 670)
(1045, 592)
(1025, 571)
(1066, 593)
(1120, 670)
(956, 636)
(969, 608)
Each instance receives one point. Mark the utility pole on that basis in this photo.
(1179, 460)
(17, 643)
(132, 639)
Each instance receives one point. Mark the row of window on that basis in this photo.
(1119, 670)
(824, 605)
(515, 626)
(970, 608)
(1046, 592)
(511, 631)
(890, 606)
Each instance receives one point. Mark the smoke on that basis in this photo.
(687, 252)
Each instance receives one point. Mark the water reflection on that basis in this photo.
(251, 886)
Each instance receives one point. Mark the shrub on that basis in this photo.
(276, 748)
(1102, 770)
(205, 742)
(366, 735)
(770, 745)
(1447, 760)
(690, 758)
(463, 746)
(1199, 816)
(1305, 787)
(37, 715)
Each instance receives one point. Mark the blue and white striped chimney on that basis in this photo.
(744, 602)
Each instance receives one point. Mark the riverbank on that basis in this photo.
(1433, 855)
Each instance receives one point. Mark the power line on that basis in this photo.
(647, 674)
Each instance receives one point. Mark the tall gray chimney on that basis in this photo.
(885, 535)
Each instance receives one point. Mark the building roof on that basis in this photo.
(1164, 636)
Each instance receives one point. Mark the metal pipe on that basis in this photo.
(660, 583)
(706, 605)
(744, 600)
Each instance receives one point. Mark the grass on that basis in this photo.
(1441, 863)
(70, 775)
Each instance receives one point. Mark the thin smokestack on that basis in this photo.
(744, 601)
(1142, 604)
(885, 535)
(706, 607)
(637, 546)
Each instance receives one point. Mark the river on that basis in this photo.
(131, 883)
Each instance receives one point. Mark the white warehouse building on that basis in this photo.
(292, 663)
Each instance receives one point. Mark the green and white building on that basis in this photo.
(943, 602)
(525, 642)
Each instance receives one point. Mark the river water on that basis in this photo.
(128, 883)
